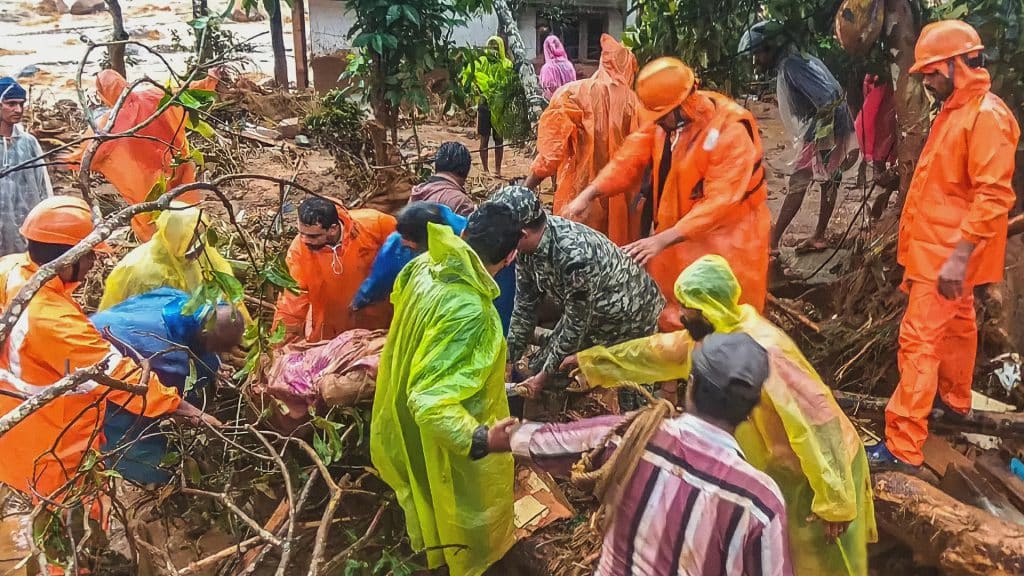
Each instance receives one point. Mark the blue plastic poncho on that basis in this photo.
(143, 323)
(441, 376)
(393, 256)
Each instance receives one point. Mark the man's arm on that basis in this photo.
(990, 164)
(524, 311)
(73, 343)
(625, 170)
(568, 335)
(556, 447)
(656, 358)
(451, 365)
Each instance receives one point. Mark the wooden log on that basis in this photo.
(998, 472)
(1002, 424)
(957, 538)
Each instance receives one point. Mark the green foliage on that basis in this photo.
(999, 23)
(389, 564)
(209, 40)
(706, 35)
(337, 123)
(396, 44)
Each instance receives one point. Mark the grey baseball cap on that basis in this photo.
(734, 363)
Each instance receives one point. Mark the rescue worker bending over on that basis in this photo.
(330, 258)
(53, 338)
(606, 298)
(709, 189)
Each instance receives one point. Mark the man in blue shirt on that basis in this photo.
(155, 326)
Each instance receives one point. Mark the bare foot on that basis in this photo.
(811, 245)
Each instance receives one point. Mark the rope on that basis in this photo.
(609, 481)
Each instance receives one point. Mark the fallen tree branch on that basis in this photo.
(1002, 424)
(944, 532)
(796, 315)
(230, 505)
(214, 559)
(53, 391)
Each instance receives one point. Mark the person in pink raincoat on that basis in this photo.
(557, 70)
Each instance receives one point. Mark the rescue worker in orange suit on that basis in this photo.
(134, 165)
(952, 236)
(581, 130)
(709, 191)
(53, 338)
(330, 258)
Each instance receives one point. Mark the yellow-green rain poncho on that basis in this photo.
(162, 260)
(442, 375)
(797, 434)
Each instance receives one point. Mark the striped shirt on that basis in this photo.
(694, 506)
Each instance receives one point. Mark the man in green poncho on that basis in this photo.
(441, 383)
(797, 434)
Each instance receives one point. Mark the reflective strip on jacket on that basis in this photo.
(53, 338)
(962, 187)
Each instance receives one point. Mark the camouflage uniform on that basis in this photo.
(606, 297)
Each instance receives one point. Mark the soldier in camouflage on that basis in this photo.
(606, 298)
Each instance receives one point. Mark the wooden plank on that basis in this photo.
(938, 455)
(992, 466)
(299, 39)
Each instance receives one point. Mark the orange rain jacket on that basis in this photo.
(134, 165)
(715, 194)
(581, 130)
(53, 338)
(329, 279)
(962, 187)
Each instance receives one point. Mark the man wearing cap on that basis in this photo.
(605, 297)
(709, 191)
(691, 503)
(53, 338)
(798, 435)
(23, 188)
(952, 235)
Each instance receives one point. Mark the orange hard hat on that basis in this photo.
(663, 84)
(60, 220)
(940, 41)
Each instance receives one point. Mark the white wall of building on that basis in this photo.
(330, 24)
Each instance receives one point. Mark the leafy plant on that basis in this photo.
(337, 123)
(395, 44)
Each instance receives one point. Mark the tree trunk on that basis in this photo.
(944, 532)
(115, 53)
(277, 42)
(524, 65)
(912, 118)
(1003, 424)
(200, 8)
(299, 37)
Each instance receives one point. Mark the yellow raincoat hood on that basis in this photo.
(161, 261)
(797, 434)
(441, 376)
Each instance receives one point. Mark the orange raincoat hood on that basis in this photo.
(617, 62)
(581, 130)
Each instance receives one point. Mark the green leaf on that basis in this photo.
(377, 43)
(159, 189)
(170, 459)
(390, 41)
(230, 285)
(193, 376)
(355, 568)
(277, 336)
(197, 157)
(110, 473)
(411, 14)
(362, 40)
(393, 13)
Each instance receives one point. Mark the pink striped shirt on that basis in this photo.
(694, 506)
